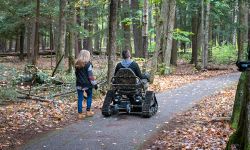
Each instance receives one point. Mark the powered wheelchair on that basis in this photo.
(129, 94)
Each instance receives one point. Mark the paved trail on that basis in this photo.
(126, 132)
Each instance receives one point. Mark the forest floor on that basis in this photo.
(204, 126)
(22, 120)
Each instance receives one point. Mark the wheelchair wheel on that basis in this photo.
(150, 105)
(106, 108)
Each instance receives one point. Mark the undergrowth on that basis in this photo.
(225, 54)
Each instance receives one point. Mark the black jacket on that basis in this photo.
(82, 77)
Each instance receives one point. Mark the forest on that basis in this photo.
(176, 41)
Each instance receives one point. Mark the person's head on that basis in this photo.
(83, 58)
(126, 54)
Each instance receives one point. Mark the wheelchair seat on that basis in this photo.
(126, 81)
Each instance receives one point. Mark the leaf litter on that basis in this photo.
(204, 126)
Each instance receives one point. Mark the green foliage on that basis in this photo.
(7, 93)
(151, 47)
(185, 56)
(155, 2)
(127, 21)
(163, 69)
(41, 77)
(224, 54)
(68, 77)
(181, 35)
(139, 59)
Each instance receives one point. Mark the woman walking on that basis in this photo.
(85, 82)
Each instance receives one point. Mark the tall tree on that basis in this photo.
(36, 34)
(78, 20)
(165, 38)
(201, 30)
(72, 36)
(126, 25)
(22, 34)
(137, 30)
(195, 29)
(243, 29)
(206, 36)
(62, 35)
(88, 27)
(145, 29)
(173, 60)
(111, 45)
(235, 20)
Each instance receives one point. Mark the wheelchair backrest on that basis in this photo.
(125, 76)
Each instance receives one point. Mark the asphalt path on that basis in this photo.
(128, 132)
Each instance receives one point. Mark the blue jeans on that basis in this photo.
(80, 99)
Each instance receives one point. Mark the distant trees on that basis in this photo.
(162, 29)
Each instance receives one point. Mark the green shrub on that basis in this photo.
(224, 54)
(7, 93)
(185, 56)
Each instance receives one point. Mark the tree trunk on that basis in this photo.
(235, 20)
(88, 26)
(62, 35)
(72, 40)
(183, 16)
(97, 39)
(10, 45)
(243, 30)
(195, 28)
(79, 40)
(126, 26)
(22, 35)
(201, 31)
(97, 45)
(145, 30)
(36, 34)
(51, 36)
(111, 45)
(17, 47)
(158, 39)
(137, 30)
(173, 60)
(28, 31)
(241, 114)
(1, 45)
(150, 26)
(167, 41)
(248, 42)
(164, 33)
(86, 40)
(206, 37)
(43, 42)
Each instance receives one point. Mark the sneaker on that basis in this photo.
(90, 113)
(81, 116)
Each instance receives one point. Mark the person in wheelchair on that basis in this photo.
(128, 92)
(127, 62)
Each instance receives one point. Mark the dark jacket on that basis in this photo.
(133, 66)
(83, 76)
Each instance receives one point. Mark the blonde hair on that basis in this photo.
(82, 59)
